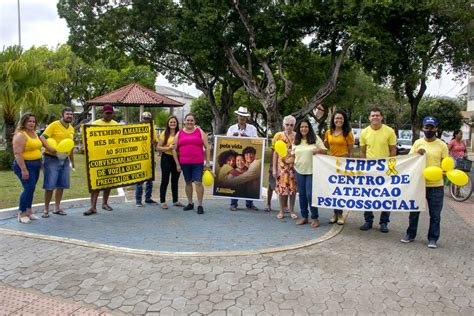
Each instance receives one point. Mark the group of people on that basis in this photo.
(187, 151)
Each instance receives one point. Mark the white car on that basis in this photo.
(403, 146)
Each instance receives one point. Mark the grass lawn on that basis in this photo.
(11, 188)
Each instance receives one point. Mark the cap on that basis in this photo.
(146, 115)
(429, 120)
(108, 108)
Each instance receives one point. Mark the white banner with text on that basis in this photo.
(394, 184)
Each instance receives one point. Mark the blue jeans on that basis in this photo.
(139, 191)
(235, 203)
(29, 186)
(434, 197)
(384, 217)
(56, 173)
(304, 183)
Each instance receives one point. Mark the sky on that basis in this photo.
(41, 25)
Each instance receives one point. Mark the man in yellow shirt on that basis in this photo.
(377, 141)
(107, 119)
(57, 171)
(435, 150)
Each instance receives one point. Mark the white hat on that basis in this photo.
(242, 111)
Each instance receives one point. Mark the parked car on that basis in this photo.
(403, 146)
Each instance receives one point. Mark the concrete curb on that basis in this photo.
(335, 230)
(81, 202)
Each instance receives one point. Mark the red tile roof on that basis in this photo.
(134, 94)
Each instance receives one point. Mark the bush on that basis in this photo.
(6, 160)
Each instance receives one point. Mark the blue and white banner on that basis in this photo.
(393, 184)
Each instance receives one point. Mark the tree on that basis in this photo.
(81, 81)
(406, 41)
(23, 87)
(179, 41)
(446, 111)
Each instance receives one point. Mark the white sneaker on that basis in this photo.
(33, 217)
(24, 219)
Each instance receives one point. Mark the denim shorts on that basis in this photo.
(192, 172)
(56, 173)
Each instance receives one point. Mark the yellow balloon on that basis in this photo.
(447, 164)
(52, 143)
(65, 145)
(457, 177)
(207, 178)
(281, 149)
(433, 173)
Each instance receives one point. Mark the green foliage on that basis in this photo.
(445, 110)
(161, 117)
(202, 113)
(6, 160)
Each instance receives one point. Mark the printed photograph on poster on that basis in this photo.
(238, 166)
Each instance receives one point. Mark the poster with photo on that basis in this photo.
(238, 166)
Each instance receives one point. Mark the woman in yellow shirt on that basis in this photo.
(168, 165)
(340, 140)
(27, 164)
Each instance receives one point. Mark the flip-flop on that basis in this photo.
(280, 215)
(293, 215)
(45, 215)
(107, 208)
(164, 206)
(89, 212)
(59, 212)
(267, 209)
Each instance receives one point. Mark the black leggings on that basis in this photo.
(168, 167)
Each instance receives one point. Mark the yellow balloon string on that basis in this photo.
(391, 167)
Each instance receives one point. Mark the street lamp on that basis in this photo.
(19, 23)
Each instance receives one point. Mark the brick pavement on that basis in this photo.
(353, 273)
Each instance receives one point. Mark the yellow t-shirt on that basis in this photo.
(338, 144)
(377, 141)
(435, 152)
(102, 122)
(168, 143)
(304, 155)
(32, 150)
(58, 132)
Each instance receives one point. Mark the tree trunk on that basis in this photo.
(9, 131)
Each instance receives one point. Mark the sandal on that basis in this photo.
(267, 209)
(60, 212)
(179, 204)
(164, 206)
(107, 207)
(45, 214)
(293, 215)
(280, 215)
(90, 212)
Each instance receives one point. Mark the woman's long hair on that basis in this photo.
(168, 130)
(346, 127)
(455, 133)
(310, 137)
(21, 126)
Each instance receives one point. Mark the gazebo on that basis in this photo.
(133, 95)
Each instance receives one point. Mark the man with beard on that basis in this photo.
(57, 168)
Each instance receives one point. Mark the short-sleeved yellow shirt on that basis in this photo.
(338, 144)
(58, 132)
(435, 152)
(377, 141)
(168, 142)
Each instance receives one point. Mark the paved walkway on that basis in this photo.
(353, 273)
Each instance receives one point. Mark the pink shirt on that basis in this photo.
(190, 147)
(457, 149)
